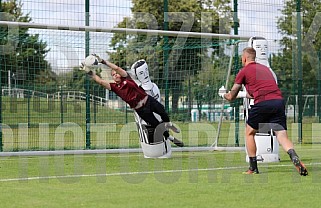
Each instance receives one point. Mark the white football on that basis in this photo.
(91, 61)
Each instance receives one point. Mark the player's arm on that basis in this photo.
(243, 94)
(231, 95)
(99, 80)
(94, 76)
(118, 69)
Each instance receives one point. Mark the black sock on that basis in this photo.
(292, 153)
(253, 163)
(166, 134)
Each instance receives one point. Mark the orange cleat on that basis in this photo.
(250, 172)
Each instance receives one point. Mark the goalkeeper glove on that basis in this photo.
(86, 69)
(100, 60)
(222, 92)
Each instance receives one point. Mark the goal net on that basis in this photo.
(48, 104)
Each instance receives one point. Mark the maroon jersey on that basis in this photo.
(129, 91)
(259, 82)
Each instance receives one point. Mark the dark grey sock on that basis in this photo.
(292, 153)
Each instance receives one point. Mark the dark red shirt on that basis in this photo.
(259, 82)
(129, 91)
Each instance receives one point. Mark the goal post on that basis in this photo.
(50, 90)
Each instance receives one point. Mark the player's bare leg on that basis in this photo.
(251, 150)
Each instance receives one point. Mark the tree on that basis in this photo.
(199, 88)
(284, 63)
(26, 59)
(201, 91)
(185, 55)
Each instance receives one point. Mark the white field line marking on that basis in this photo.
(141, 173)
(97, 155)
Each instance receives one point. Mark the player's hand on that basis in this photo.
(84, 68)
(100, 60)
(222, 92)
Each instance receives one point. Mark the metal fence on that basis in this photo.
(40, 83)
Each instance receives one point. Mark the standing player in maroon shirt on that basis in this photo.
(136, 97)
(268, 108)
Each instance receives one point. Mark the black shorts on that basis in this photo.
(268, 114)
(147, 111)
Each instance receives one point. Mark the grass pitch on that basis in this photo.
(188, 179)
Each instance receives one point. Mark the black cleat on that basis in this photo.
(300, 167)
(177, 142)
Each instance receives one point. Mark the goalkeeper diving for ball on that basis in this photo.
(153, 145)
(136, 97)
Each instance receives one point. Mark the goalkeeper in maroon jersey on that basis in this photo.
(126, 88)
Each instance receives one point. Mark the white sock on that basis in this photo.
(171, 138)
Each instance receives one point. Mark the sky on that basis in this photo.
(67, 49)
(260, 19)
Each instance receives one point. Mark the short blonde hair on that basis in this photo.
(111, 72)
(250, 53)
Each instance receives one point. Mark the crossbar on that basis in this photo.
(122, 30)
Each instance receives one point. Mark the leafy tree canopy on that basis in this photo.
(24, 53)
(184, 55)
(285, 62)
